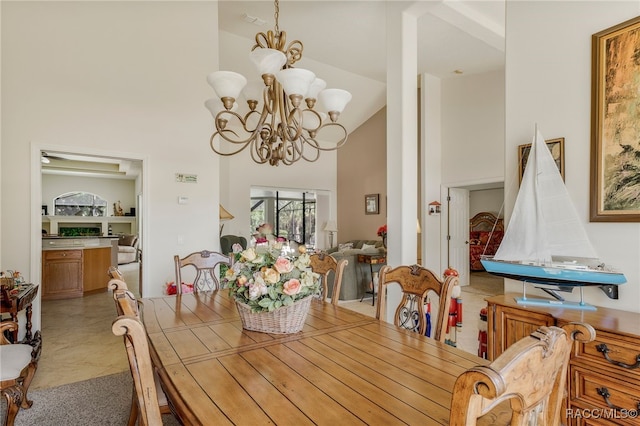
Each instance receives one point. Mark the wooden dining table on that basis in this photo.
(342, 368)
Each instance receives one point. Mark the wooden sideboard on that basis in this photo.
(603, 386)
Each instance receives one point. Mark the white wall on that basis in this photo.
(471, 140)
(548, 82)
(125, 79)
(486, 200)
(473, 117)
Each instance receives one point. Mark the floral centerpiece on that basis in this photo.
(263, 281)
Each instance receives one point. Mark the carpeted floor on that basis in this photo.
(102, 401)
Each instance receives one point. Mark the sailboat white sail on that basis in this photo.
(545, 241)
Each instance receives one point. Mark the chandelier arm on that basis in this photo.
(294, 52)
(319, 120)
(293, 152)
(227, 154)
(294, 124)
(338, 144)
(223, 132)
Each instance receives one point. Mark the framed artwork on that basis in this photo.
(615, 151)
(556, 146)
(372, 204)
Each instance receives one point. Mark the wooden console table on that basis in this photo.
(14, 303)
(372, 259)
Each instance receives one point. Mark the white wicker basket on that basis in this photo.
(285, 320)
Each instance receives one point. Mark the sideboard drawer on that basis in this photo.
(614, 351)
(604, 391)
(62, 254)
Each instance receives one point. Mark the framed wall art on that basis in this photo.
(372, 204)
(556, 146)
(615, 135)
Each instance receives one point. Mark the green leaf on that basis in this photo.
(265, 302)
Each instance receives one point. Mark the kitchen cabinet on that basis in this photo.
(61, 274)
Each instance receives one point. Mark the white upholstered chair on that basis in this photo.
(18, 364)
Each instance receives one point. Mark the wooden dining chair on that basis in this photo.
(323, 264)
(149, 401)
(415, 283)
(528, 379)
(204, 263)
(18, 364)
(114, 273)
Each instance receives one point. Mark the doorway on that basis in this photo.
(88, 167)
(464, 202)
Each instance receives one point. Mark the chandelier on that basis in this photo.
(281, 129)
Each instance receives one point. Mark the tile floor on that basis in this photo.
(78, 343)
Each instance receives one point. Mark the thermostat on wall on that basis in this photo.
(184, 178)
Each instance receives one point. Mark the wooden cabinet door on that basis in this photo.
(95, 265)
(61, 274)
(511, 325)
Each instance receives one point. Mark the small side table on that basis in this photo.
(14, 303)
(372, 259)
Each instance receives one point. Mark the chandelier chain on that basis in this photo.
(276, 14)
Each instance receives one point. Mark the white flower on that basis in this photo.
(249, 254)
(302, 262)
(257, 288)
(309, 279)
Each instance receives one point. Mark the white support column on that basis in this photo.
(402, 187)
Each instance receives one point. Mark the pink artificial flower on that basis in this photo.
(292, 287)
(283, 265)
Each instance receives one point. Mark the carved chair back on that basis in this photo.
(416, 282)
(530, 376)
(323, 264)
(137, 347)
(204, 263)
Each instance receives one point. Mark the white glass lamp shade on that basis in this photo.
(268, 61)
(331, 226)
(214, 105)
(253, 91)
(227, 83)
(317, 85)
(334, 99)
(295, 81)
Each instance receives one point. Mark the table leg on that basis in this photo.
(14, 318)
(373, 287)
(27, 336)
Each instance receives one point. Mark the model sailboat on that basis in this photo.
(545, 242)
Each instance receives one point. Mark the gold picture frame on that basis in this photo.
(556, 146)
(615, 152)
(372, 204)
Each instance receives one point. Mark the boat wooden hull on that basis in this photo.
(552, 275)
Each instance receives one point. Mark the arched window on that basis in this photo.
(79, 204)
